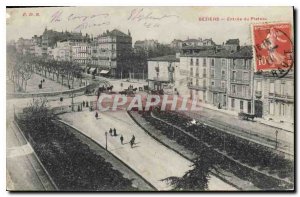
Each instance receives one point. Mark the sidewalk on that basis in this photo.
(284, 126)
(149, 158)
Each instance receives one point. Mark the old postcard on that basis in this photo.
(150, 99)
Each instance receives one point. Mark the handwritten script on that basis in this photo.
(81, 21)
(148, 18)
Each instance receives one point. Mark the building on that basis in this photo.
(241, 81)
(63, 51)
(146, 44)
(81, 53)
(23, 46)
(163, 72)
(198, 42)
(176, 44)
(232, 45)
(274, 97)
(113, 52)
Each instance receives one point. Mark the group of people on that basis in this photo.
(113, 132)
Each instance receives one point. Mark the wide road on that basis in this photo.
(148, 157)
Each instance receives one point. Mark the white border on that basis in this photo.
(5, 3)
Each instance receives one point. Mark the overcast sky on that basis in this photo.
(161, 23)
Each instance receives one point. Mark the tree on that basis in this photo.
(198, 177)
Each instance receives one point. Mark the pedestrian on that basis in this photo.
(121, 139)
(133, 138)
(83, 104)
(110, 132)
(115, 132)
(43, 80)
(96, 115)
(87, 104)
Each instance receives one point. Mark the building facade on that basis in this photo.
(241, 81)
(113, 52)
(274, 97)
(163, 73)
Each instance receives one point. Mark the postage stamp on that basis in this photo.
(273, 47)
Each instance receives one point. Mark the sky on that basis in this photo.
(160, 23)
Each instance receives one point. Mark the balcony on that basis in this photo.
(217, 89)
(197, 87)
(281, 97)
(258, 94)
(240, 96)
(239, 81)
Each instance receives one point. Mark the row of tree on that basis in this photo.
(21, 67)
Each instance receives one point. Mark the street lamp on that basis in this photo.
(105, 140)
(276, 143)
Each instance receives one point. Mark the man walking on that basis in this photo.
(122, 139)
(115, 132)
(110, 132)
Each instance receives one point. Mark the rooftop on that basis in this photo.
(167, 58)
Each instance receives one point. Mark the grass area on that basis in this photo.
(249, 153)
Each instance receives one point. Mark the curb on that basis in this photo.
(78, 130)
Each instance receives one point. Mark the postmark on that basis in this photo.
(273, 48)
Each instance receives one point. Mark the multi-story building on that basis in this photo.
(163, 73)
(23, 46)
(81, 53)
(63, 51)
(274, 97)
(241, 81)
(114, 50)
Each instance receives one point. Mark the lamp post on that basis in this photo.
(276, 143)
(105, 140)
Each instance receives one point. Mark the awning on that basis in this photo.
(104, 71)
(92, 69)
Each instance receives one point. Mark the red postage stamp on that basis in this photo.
(273, 46)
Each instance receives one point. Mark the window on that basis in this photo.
(212, 62)
(282, 87)
(271, 108)
(197, 82)
(223, 84)
(272, 88)
(233, 90)
(191, 62)
(258, 86)
(204, 82)
(204, 72)
(191, 73)
(241, 105)
(224, 100)
(197, 72)
(223, 74)
(212, 83)
(212, 74)
(223, 62)
(204, 62)
(197, 62)
(245, 76)
(234, 75)
(232, 103)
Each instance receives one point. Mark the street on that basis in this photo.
(145, 154)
